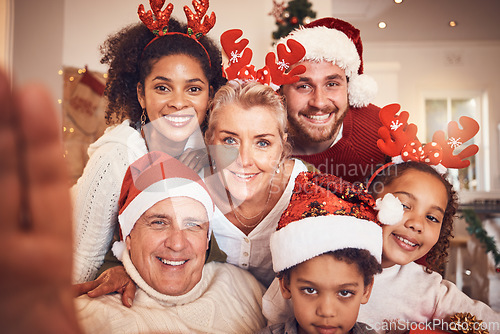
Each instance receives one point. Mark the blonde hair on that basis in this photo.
(248, 95)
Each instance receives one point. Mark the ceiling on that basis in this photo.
(422, 20)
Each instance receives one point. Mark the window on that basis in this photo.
(439, 111)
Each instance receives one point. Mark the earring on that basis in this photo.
(143, 122)
(143, 117)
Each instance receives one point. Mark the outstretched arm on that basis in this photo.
(35, 216)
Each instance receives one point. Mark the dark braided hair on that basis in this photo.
(129, 64)
(438, 254)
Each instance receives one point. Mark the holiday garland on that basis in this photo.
(295, 14)
(475, 228)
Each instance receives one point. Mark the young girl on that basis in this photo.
(406, 291)
(159, 88)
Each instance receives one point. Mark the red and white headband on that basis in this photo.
(398, 139)
(198, 24)
(273, 74)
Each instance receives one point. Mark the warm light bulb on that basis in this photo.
(382, 25)
(453, 23)
(60, 72)
(398, 1)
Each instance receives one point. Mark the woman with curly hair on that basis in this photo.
(159, 89)
(408, 291)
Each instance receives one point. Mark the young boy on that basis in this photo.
(326, 250)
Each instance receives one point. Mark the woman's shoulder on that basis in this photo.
(120, 137)
(303, 166)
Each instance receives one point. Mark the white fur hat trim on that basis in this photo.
(322, 43)
(172, 187)
(302, 240)
(362, 90)
(390, 209)
(118, 249)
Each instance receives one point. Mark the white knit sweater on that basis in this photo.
(226, 300)
(95, 196)
(400, 293)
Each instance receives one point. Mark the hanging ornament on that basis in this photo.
(277, 10)
(286, 14)
(294, 20)
(307, 20)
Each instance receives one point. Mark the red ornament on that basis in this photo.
(497, 269)
(294, 20)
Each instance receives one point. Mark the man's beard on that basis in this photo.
(305, 133)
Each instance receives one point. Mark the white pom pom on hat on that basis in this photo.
(390, 209)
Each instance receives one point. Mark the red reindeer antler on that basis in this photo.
(285, 60)
(197, 28)
(396, 131)
(456, 138)
(159, 24)
(239, 57)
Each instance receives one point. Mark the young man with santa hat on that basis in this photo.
(332, 124)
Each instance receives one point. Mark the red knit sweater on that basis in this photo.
(356, 155)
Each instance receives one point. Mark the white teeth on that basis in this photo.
(245, 176)
(177, 119)
(405, 241)
(172, 263)
(318, 117)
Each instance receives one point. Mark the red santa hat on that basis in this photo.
(150, 179)
(339, 42)
(327, 213)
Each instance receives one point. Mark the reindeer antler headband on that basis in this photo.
(273, 73)
(398, 139)
(198, 24)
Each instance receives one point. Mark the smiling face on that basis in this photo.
(326, 294)
(254, 134)
(316, 105)
(424, 198)
(175, 96)
(167, 245)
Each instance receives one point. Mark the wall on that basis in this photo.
(6, 33)
(37, 46)
(446, 66)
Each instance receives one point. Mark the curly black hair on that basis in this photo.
(130, 62)
(367, 264)
(438, 254)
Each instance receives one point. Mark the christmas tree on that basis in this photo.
(291, 16)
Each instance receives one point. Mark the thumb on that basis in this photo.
(129, 294)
